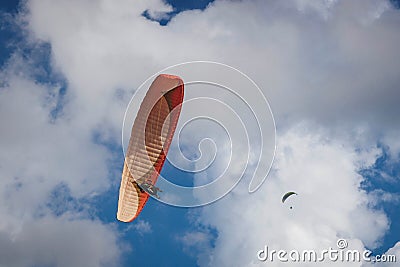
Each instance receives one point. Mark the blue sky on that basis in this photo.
(6, 34)
(179, 6)
(55, 69)
(376, 180)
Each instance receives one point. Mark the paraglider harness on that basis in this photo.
(148, 187)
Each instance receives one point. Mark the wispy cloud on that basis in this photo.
(197, 244)
(140, 226)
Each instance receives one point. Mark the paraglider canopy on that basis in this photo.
(287, 195)
(151, 136)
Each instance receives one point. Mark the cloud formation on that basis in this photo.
(37, 156)
(330, 203)
(59, 241)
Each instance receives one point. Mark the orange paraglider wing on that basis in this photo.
(151, 136)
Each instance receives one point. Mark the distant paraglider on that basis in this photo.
(287, 195)
(151, 136)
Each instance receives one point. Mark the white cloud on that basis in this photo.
(38, 152)
(160, 10)
(330, 204)
(63, 241)
(197, 244)
(380, 196)
(37, 155)
(394, 148)
(141, 226)
(194, 238)
(295, 57)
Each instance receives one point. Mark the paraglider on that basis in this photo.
(287, 195)
(151, 136)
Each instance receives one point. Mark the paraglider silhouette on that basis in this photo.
(151, 136)
(287, 195)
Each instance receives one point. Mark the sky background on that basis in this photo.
(330, 70)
